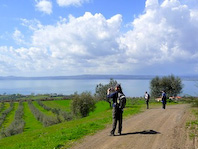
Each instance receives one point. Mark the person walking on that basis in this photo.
(117, 109)
(147, 97)
(163, 99)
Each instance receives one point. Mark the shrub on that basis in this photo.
(82, 104)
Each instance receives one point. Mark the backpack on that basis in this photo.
(148, 96)
(121, 100)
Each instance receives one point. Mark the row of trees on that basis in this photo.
(2, 106)
(40, 116)
(17, 125)
(170, 84)
(66, 115)
(5, 113)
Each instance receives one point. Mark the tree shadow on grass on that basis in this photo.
(145, 132)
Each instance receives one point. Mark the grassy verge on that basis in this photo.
(64, 134)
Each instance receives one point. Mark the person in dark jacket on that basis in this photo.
(117, 112)
(163, 99)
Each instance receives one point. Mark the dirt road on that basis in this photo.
(155, 128)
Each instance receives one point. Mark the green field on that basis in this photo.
(35, 135)
(64, 134)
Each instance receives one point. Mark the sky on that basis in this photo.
(75, 37)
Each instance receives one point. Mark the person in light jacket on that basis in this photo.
(147, 97)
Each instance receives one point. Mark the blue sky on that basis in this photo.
(73, 37)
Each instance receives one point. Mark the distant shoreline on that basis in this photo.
(89, 77)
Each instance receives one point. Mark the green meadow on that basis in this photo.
(65, 133)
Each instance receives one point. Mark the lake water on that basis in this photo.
(132, 88)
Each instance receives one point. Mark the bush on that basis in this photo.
(82, 104)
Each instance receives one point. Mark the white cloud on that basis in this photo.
(71, 2)
(18, 37)
(70, 47)
(162, 40)
(166, 32)
(44, 6)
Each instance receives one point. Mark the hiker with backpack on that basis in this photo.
(119, 101)
(147, 97)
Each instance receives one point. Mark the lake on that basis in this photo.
(131, 88)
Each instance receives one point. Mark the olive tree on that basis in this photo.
(170, 84)
(101, 90)
(82, 104)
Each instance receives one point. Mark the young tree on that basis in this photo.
(170, 84)
(101, 90)
(82, 104)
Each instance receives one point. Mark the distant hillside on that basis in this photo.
(84, 77)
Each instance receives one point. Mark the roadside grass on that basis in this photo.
(64, 105)
(10, 117)
(31, 122)
(192, 125)
(66, 133)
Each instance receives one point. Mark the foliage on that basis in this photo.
(170, 84)
(31, 123)
(66, 115)
(17, 125)
(82, 104)
(2, 106)
(5, 113)
(46, 120)
(101, 90)
(64, 134)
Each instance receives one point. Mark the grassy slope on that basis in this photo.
(5, 107)
(66, 133)
(64, 105)
(30, 121)
(10, 116)
(49, 113)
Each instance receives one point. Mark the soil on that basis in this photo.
(156, 128)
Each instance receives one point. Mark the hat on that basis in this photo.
(118, 86)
